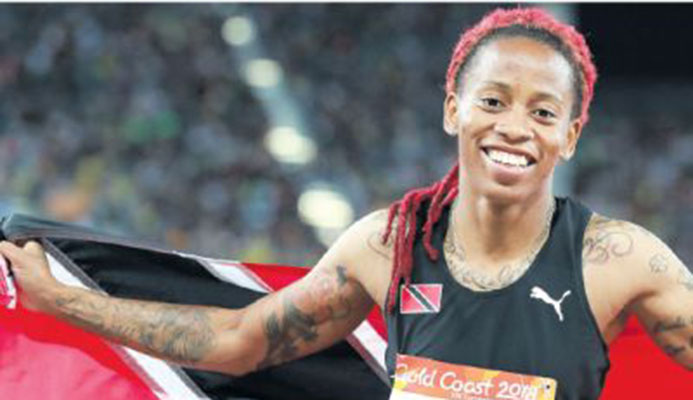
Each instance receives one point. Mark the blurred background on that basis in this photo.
(259, 132)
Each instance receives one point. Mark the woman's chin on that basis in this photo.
(503, 194)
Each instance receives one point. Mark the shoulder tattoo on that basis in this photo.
(374, 239)
(606, 239)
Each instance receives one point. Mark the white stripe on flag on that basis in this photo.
(170, 385)
(372, 342)
(231, 271)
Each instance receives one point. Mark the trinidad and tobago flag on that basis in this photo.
(423, 298)
(44, 358)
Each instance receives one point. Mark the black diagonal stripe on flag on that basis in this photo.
(421, 298)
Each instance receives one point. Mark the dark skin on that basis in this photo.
(516, 99)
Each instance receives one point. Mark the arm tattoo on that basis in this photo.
(323, 299)
(375, 241)
(666, 331)
(383, 249)
(659, 264)
(178, 333)
(663, 326)
(686, 279)
(284, 336)
(607, 238)
(673, 350)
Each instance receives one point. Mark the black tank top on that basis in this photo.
(515, 329)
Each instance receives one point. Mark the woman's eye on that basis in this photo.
(491, 102)
(544, 113)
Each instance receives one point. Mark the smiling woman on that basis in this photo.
(544, 42)
(492, 286)
(520, 89)
(518, 92)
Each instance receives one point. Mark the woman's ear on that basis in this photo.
(571, 140)
(450, 114)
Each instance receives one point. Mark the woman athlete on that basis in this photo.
(485, 277)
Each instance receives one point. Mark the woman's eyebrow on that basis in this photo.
(549, 96)
(542, 94)
(500, 85)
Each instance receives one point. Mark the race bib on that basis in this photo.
(419, 378)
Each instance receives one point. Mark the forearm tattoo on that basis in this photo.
(668, 334)
(666, 326)
(606, 239)
(324, 298)
(178, 333)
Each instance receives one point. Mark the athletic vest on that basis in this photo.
(538, 329)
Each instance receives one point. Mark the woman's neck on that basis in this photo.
(493, 231)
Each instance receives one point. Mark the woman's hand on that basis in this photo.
(29, 265)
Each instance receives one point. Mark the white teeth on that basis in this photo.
(507, 158)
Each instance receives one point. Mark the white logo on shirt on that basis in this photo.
(540, 294)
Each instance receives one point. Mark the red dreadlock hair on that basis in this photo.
(443, 192)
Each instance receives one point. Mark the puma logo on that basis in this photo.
(540, 294)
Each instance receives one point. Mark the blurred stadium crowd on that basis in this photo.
(139, 120)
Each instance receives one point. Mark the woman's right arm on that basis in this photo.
(307, 316)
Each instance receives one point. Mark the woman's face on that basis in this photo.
(513, 119)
